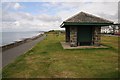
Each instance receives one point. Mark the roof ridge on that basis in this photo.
(73, 16)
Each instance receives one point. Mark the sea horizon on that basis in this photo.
(12, 37)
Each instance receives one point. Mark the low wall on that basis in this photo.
(17, 43)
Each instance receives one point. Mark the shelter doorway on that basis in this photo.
(84, 35)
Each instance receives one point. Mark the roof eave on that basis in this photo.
(85, 23)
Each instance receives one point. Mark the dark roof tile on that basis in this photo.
(85, 17)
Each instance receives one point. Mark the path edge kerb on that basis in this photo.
(44, 36)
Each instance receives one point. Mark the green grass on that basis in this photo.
(49, 60)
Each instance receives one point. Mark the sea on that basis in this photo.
(11, 37)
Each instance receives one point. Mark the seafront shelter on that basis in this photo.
(84, 29)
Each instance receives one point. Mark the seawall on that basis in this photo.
(17, 43)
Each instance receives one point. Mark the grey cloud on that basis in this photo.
(108, 16)
(12, 17)
(11, 5)
(47, 18)
(64, 11)
(119, 12)
(26, 16)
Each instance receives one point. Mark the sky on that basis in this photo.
(45, 16)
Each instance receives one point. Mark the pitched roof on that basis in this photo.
(83, 17)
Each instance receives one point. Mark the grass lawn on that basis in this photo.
(49, 60)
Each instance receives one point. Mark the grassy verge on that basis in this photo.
(49, 60)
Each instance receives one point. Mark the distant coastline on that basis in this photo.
(17, 43)
(12, 37)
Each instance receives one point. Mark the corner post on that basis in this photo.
(73, 36)
(67, 34)
(97, 36)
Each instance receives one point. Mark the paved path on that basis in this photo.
(10, 55)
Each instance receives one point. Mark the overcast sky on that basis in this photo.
(44, 16)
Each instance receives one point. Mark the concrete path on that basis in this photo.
(10, 55)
